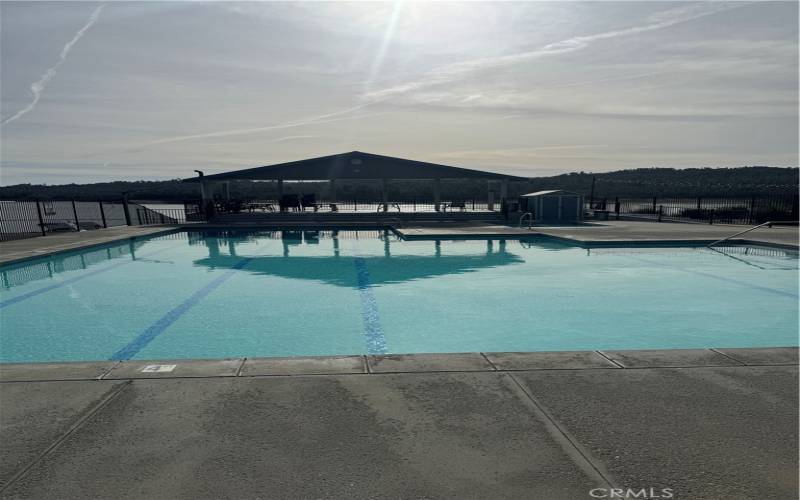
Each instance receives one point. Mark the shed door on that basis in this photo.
(569, 208)
(549, 208)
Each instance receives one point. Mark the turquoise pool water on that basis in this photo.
(301, 293)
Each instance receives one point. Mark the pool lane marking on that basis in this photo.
(376, 341)
(39, 291)
(157, 328)
(721, 278)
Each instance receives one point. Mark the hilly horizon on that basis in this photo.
(638, 182)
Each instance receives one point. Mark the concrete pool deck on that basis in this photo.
(605, 233)
(40, 246)
(705, 423)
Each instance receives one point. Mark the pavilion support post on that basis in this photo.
(207, 199)
(384, 196)
(489, 196)
(332, 188)
(503, 197)
(226, 189)
(437, 194)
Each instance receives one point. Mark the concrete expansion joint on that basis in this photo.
(728, 356)
(601, 353)
(110, 396)
(562, 436)
(365, 362)
(241, 367)
(108, 370)
(494, 367)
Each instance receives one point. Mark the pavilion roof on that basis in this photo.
(355, 165)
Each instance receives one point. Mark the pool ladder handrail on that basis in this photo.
(392, 222)
(770, 224)
(530, 220)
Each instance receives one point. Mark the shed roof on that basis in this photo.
(549, 192)
(355, 165)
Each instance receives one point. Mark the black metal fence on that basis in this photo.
(357, 205)
(28, 219)
(754, 210)
(148, 216)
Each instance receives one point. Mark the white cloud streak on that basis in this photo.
(344, 114)
(328, 117)
(38, 86)
(453, 72)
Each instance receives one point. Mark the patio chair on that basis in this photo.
(310, 201)
(462, 205)
(290, 201)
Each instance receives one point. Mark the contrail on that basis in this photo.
(455, 71)
(328, 117)
(38, 86)
(335, 116)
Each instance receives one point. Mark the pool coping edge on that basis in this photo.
(402, 363)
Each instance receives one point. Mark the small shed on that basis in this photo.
(554, 205)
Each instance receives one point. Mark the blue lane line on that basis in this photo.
(721, 278)
(376, 341)
(157, 328)
(39, 291)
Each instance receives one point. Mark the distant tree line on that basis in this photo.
(635, 183)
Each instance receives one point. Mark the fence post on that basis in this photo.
(125, 210)
(41, 220)
(699, 201)
(752, 208)
(654, 204)
(75, 213)
(616, 206)
(711, 216)
(355, 204)
(102, 213)
(660, 212)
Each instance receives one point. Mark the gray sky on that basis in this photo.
(152, 90)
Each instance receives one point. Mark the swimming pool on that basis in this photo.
(192, 294)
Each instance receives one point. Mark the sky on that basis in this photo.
(93, 92)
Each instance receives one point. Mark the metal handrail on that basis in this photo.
(530, 220)
(770, 224)
(389, 222)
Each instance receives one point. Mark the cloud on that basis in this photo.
(455, 71)
(38, 86)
